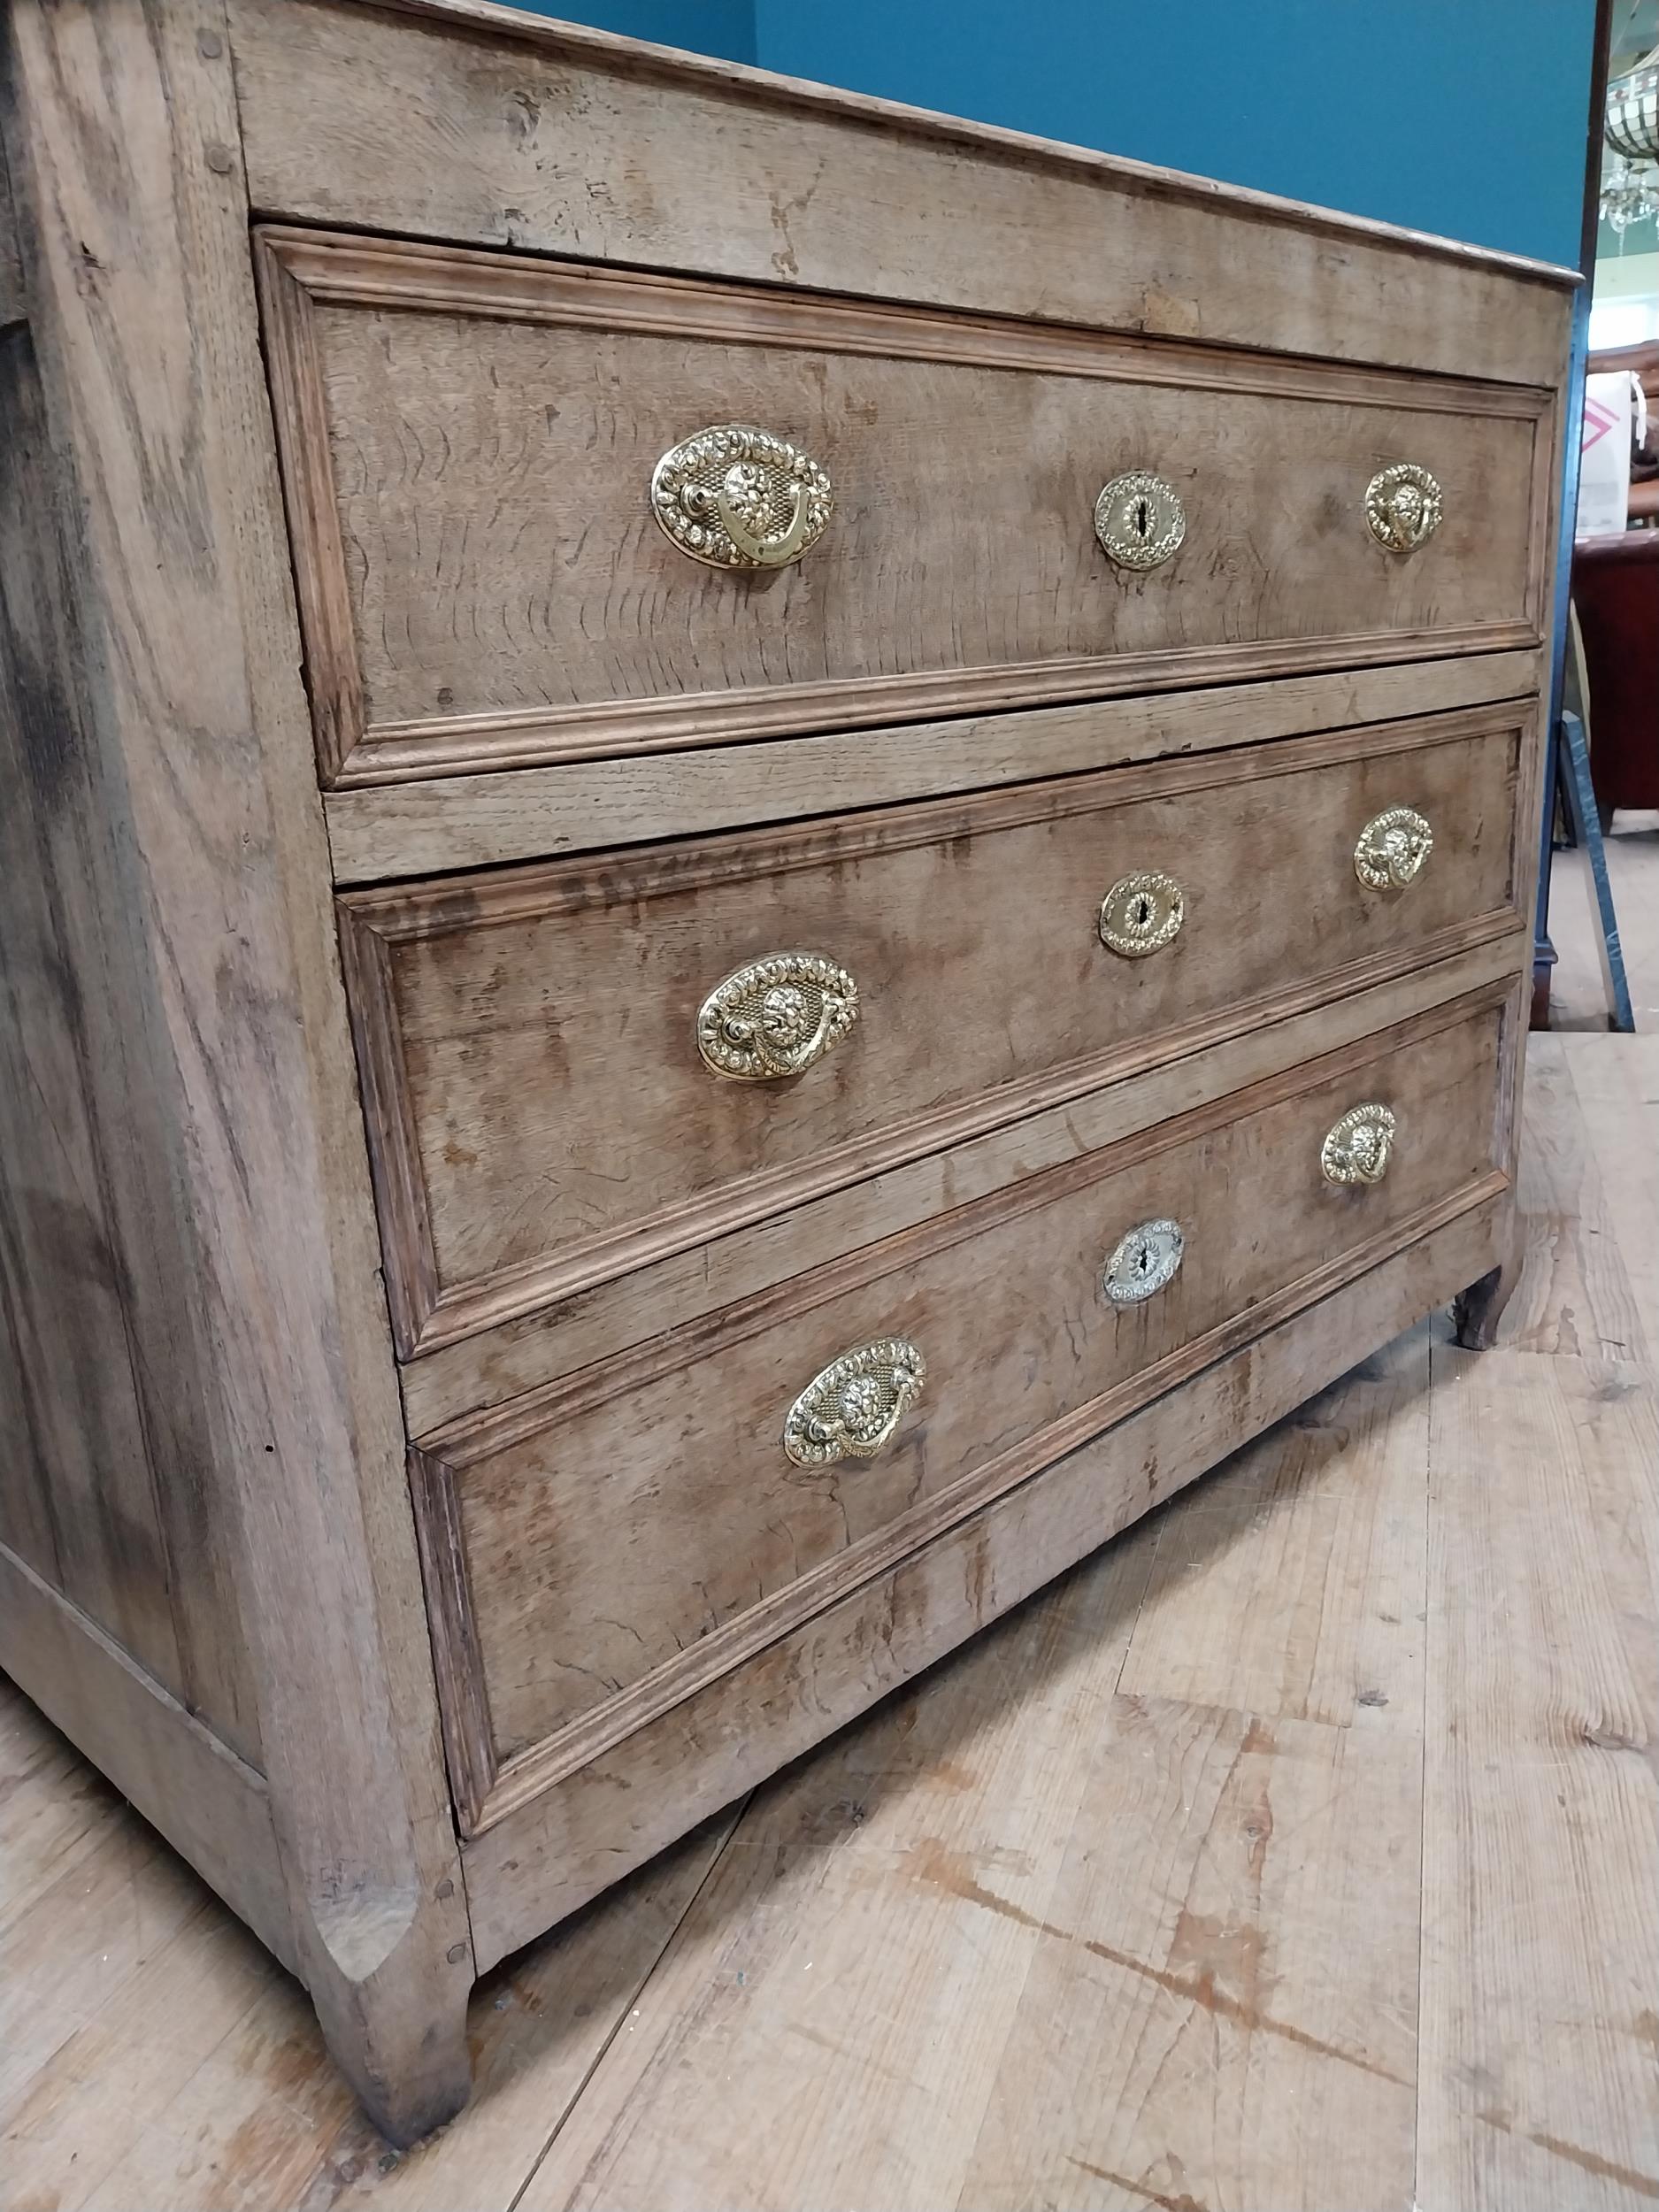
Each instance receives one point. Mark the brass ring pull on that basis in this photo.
(1140, 521)
(850, 1410)
(1403, 507)
(738, 498)
(1357, 1149)
(1144, 1260)
(1141, 914)
(1392, 850)
(776, 1017)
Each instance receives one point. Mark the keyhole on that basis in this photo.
(1142, 911)
(1143, 521)
(1143, 1261)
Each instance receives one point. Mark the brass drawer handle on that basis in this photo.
(1356, 1149)
(1392, 850)
(1141, 913)
(1144, 1260)
(776, 1017)
(739, 498)
(1140, 521)
(850, 1410)
(1403, 506)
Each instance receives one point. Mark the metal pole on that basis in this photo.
(1543, 951)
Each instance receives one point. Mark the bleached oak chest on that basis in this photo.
(757, 857)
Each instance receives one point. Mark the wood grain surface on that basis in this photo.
(541, 1117)
(199, 1095)
(186, 1781)
(379, 831)
(516, 1356)
(1055, 1922)
(469, 442)
(13, 303)
(399, 529)
(107, 1495)
(1618, 1103)
(851, 1906)
(1540, 2056)
(563, 1843)
(491, 128)
(570, 1608)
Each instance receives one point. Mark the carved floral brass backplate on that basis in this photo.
(776, 1017)
(1141, 913)
(1356, 1149)
(1392, 850)
(739, 498)
(1139, 519)
(1143, 1260)
(1403, 506)
(851, 1409)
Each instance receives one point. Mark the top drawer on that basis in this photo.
(470, 441)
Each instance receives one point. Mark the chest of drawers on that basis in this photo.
(758, 856)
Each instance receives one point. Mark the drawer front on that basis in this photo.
(471, 444)
(556, 1093)
(596, 1551)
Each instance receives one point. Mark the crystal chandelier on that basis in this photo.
(1629, 188)
(1630, 194)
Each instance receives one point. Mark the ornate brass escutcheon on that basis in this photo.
(851, 1409)
(1392, 850)
(1143, 1260)
(1141, 913)
(1139, 519)
(1403, 506)
(776, 1017)
(739, 498)
(1356, 1149)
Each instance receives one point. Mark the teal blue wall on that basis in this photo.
(1465, 117)
(725, 29)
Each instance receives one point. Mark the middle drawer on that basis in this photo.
(576, 1067)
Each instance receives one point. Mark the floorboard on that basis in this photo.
(1223, 2010)
(1328, 1512)
(842, 1965)
(1539, 2083)
(1616, 1083)
(1577, 998)
(53, 1806)
(1574, 1295)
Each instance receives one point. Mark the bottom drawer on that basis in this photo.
(598, 1550)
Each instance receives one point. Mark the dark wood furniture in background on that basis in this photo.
(1643, 359)
(1616, 589)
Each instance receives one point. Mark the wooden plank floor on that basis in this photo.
(1577, 1000)
(1301, 1850)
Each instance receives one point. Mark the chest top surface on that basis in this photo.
(465, 122)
